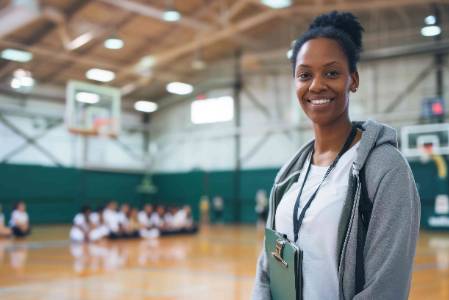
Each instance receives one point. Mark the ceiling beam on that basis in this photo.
(211, 38)
(359, 6)
(156, 13)
(63, 56)
(48, 28)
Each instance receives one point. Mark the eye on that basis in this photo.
(332, 74)
(303, 76)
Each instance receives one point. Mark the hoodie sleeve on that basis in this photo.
(393, 228)
(261, 289)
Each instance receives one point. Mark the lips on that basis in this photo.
(321, 101)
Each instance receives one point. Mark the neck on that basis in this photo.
(330, 138)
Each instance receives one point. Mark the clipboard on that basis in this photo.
(284, 266)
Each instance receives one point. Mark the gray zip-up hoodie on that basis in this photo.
(390, 239)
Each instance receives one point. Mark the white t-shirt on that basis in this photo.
(180, 219)
(80, 221)
(123, 219)
(111, 220)
(168, 219)
(143, 219)
(94, 218)
(318, 233)
(156, 220)
(18, 217)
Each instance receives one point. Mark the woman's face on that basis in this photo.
(323, 81)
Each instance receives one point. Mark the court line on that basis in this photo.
(38, 245)
(92, 285)
(190, 272)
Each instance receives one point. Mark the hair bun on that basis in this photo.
(344, 21)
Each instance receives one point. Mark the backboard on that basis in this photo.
(417, 139)
(92, 109)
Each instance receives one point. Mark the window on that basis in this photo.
(212, 110)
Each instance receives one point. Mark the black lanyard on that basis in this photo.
(297, 221)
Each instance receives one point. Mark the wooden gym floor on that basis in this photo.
(217, 263)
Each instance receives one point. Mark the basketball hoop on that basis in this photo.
(426, 152)
(104, 127)
(95, 118)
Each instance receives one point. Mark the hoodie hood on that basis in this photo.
(374, 135)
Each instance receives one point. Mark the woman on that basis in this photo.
(358, 234)
(19, 221)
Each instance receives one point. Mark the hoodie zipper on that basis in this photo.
(348, 232)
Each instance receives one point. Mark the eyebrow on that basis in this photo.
(326, 65)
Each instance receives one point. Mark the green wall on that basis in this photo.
(188, 187)
(54, 195)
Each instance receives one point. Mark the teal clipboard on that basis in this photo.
(284, 266)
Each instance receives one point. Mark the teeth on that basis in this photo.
(320, 101)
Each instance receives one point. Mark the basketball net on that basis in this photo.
(103, 131)
(103, 127)
(426, 153)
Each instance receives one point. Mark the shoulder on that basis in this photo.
(384, 159)
(387, 171)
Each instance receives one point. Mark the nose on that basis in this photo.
(317, 85)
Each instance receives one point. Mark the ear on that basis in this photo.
(355, 81)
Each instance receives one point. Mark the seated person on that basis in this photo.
(146, 228)
(19, 221)
(4, 231)
(128, 229)
(183, 220)
(169, 218)
(157, 218)
(179, 221)
(112, 221)
(99, 230)
(81, 229)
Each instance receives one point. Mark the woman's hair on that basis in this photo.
(342, 27)
(16, 204)
(85, 209)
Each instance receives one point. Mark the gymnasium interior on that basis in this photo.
(190, 106)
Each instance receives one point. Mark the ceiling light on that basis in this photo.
(16, 55)
(431, 30)
(114, 43)
(277, 3)
(430, 20)
(15, 83)
(27, 81)
(87, 97)
(289, 53)
(19, 73)
(171, 15)
(100, 75)
(179, 88)
(145, 106)
(22, 80)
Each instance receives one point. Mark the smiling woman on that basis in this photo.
(345, 207)
(323, 81)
